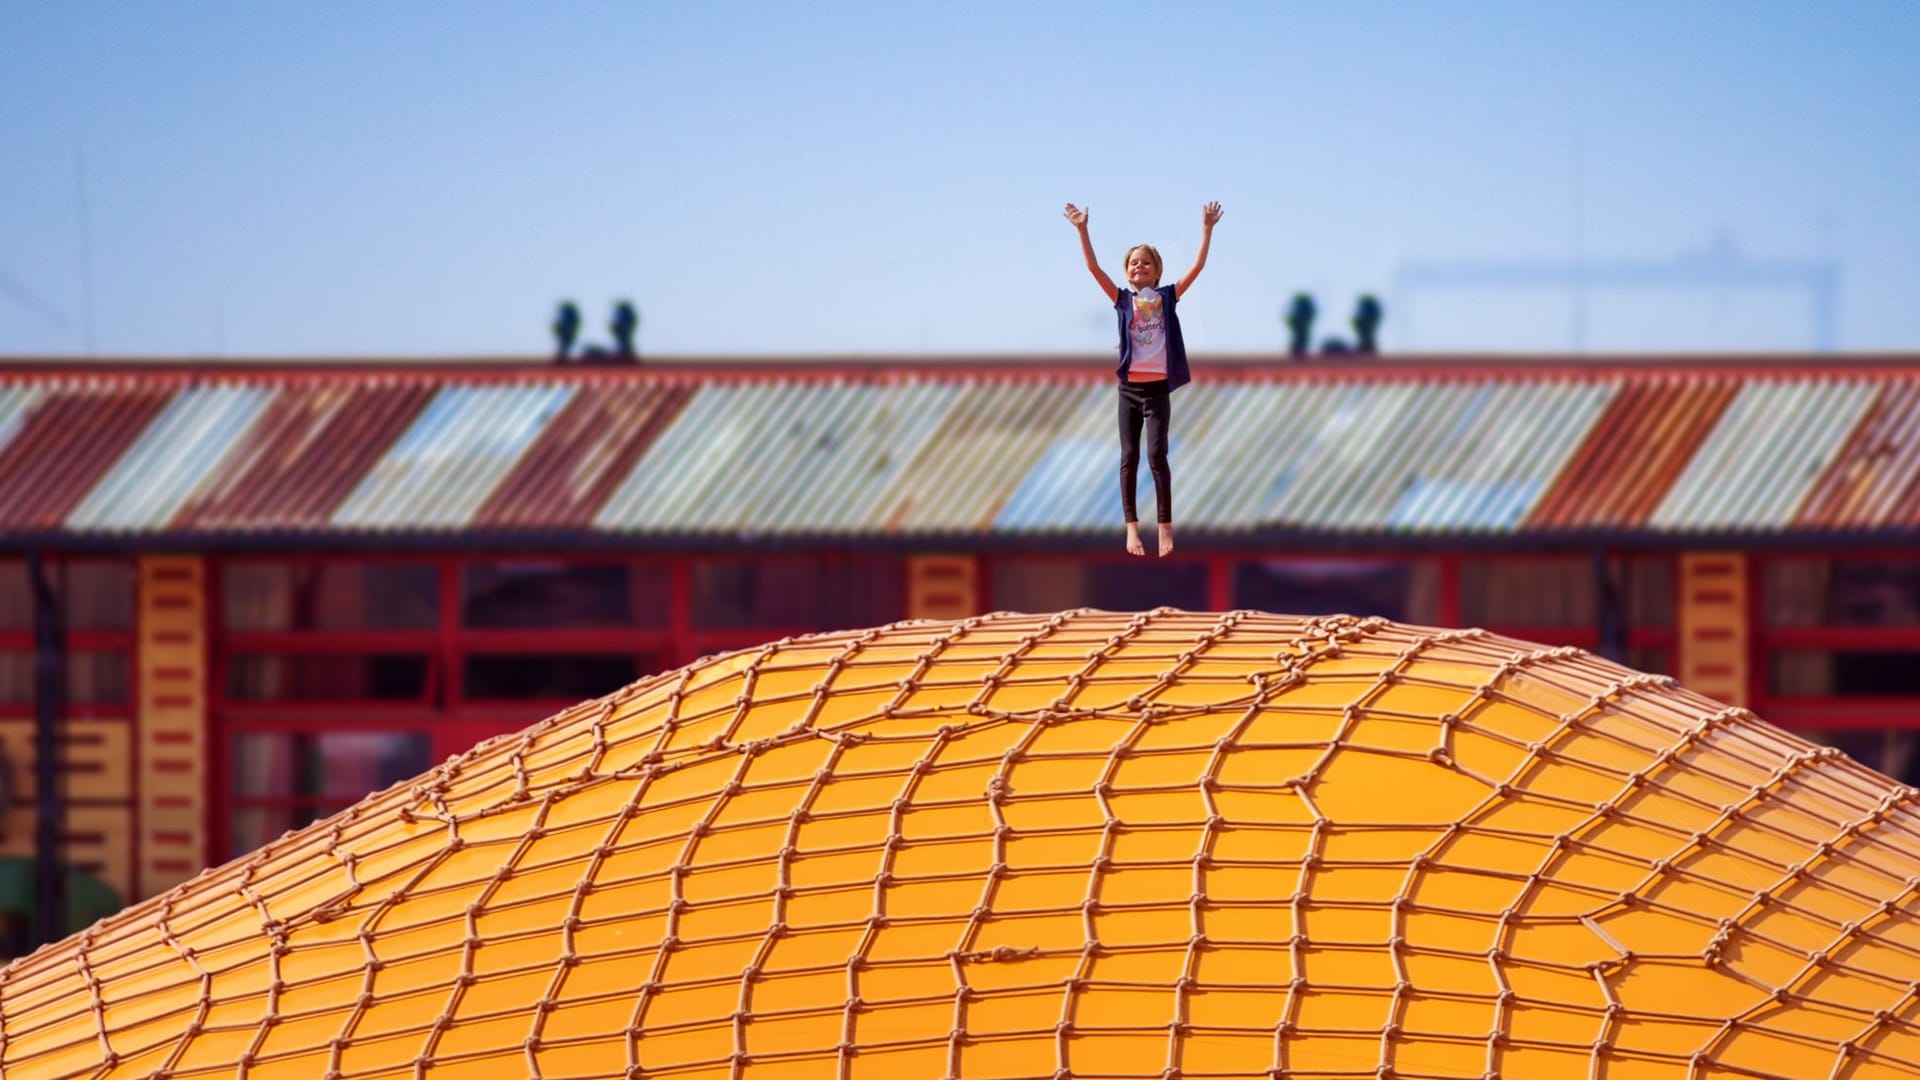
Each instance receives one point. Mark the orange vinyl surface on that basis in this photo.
(1084, 845)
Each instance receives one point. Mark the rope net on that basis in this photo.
(1084, 845)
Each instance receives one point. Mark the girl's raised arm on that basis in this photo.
(1079, 219)
(1208, 216)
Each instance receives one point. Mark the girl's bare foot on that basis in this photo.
(1134, 546)
(1166, 538)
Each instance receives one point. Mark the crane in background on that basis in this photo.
(1719, 265)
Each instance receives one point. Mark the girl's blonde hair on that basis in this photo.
(1153, 253)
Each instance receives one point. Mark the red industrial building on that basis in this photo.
(274, 587)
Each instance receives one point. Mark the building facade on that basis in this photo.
(272, 589)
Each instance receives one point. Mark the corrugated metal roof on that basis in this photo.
(588, 447)
(181, 450)
(887, 433)
(1633, 452)
(1254, 449)
(65, 435)
(1299, 449)
(686, 470)
(1358, 443)
(449, 461)
(1482, 475)
(974, 454)
(1073, 483)
(1872, 479)
(16, 404)
(311, 445)
(1764, 455)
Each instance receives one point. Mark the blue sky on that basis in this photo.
(331, 179)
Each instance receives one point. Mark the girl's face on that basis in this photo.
(1142, 271)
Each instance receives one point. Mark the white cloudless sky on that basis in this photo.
(348, 179)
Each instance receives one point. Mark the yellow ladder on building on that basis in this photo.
(1713, 626)
(173, 721)
(943, 587)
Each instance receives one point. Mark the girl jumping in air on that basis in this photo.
(1153, 364)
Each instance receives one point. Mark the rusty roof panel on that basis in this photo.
(704, 443)
(1902, 506)
(1870, 480)
(990, 435)
(179, 451)
(311, 446)
(586, 450)
(1771, 445)
(453, 456)
(17, 402)
(66, 435)
(686, 477)
(1632, 454)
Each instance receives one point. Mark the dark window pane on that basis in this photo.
(776, 593)
(1650, 660)
(867, 591)
(350, 677)
(1842, 592)
(330, 596)
(93, 678)
(1395, 590)
(94, 594)
(98, 678)
(552, 595)
(1892, 751)
(798, 594)
(1844, 673)
(1528, 591)
(16, 678)
(339, 767)
(16, 595)
(1127, 587)
(99, 595)
(560, 676)
(252, 826)
(1058, 584)
(1649, 590)
(310, 775)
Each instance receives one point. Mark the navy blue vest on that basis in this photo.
(1177, 373)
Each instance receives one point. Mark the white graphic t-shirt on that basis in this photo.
(1148, 329)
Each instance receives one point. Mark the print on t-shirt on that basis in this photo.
(1148, 322)
(1147, 329)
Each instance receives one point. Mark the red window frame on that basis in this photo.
(228, 717)
(122, 641)
(78, 641)
(1816, 713)
(695, 642)
(1639, 636)
(453, 721)
(471, 720)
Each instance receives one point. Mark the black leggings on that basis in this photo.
(1149, 402)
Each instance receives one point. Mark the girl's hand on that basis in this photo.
(1208, 214)
(1077, 216)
